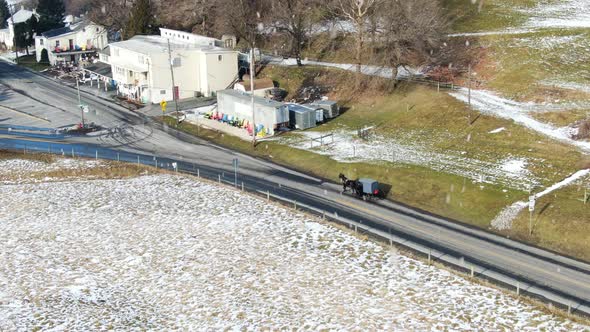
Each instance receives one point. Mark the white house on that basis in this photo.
(141, 66)
(77, 40)
(21, 16)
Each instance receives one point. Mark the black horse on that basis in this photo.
(354, 185)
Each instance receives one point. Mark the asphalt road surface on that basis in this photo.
(30, 99)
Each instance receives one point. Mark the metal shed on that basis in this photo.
(331, 108)
(269, 113)
(301, 117)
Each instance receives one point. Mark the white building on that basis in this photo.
(141, 66)
(21, 16)
(80, 39)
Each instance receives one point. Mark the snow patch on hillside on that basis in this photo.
(505, 218)
(168, 253)
(491, 104)
(560, 14)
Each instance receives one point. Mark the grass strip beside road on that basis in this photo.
(30, 61)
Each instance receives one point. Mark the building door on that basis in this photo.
(71, 44)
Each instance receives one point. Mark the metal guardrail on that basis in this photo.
(275, 192)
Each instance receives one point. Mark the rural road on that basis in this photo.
(29, 99)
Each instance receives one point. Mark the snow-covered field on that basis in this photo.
(347, 147)
(167, 252)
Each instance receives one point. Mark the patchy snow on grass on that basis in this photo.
(505, 218)
(497, 131)
(169, 253)
(545, 42)
(347, 147)
(569, 85)
(560, 14)
(515, 167)
(491, 104)
(403, 72)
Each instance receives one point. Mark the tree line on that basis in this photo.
(391, 33)
(51, 15)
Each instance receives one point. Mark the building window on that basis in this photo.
(40, 41)
(56, 43)
(220, 57)
(96, 29)
(162, 92)
(130, 73)
(120, 70)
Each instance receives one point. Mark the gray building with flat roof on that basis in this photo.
(269, 113)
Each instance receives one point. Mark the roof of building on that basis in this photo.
(246, 96)
(106, 50)
(101, 69)
(22, 15)
(66, 30)
(157, 44)
(297, 108)
(324, 102)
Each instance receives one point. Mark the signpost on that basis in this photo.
(532, 201)
(236, 164)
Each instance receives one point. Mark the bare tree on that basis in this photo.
(77, 7)
(295, 18)
(190, 15)
(358, 12)
(112, 14)
(243, 18)
(413, 32)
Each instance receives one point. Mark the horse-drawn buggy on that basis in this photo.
(363, 188)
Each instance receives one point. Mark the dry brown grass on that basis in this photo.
(583, 129)
(46, 158)
(106, 170)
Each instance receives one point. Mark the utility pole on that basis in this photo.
(80, 100)
(13, 30)
(173, 85)
(469, 93)
(252, 74)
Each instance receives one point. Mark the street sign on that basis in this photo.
(84, 108)
(176, 93)
(532, 203)
(163, 105)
